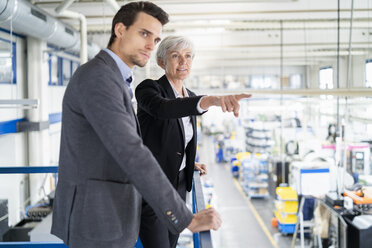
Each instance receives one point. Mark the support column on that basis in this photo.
(38, 141)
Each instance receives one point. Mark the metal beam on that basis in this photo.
(342, 92)
(19, 103)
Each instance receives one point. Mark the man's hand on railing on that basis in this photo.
(205, 220)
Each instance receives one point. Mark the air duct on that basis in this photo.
(32, 21)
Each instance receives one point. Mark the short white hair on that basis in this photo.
(173, 43)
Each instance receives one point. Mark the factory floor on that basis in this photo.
(246, 222)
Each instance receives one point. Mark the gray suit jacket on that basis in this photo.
(104, 168)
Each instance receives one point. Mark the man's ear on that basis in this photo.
(161, 63)
(119, 29)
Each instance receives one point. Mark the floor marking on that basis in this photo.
(254, 211)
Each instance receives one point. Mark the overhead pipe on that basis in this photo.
(83, 32)
(42, 25)
(62, 11)
(113, 4)
(63, 6)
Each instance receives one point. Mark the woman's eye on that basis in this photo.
(174, 56)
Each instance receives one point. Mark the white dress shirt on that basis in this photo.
(187, 126)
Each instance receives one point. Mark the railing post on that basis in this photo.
(202, 239)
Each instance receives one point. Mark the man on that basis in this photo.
(104, 168)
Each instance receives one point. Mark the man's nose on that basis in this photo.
(150, 45)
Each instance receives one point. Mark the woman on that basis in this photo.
(166, 113)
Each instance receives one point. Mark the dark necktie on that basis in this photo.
(129, 80)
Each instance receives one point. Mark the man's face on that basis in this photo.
(136, 43)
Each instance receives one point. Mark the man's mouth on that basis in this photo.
(146, 55)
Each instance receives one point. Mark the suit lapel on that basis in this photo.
(163, 81)
(193, 123)
(137, 123)
(111, 62)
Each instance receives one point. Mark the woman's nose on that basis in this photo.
(182, 60)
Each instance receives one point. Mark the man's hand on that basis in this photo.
(205, 220)
(202, 168)
(229, 103)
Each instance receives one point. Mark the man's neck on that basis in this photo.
(116, 50)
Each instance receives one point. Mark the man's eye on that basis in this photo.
(144, 34)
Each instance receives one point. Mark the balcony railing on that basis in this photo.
(201, 240)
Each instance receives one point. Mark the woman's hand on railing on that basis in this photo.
(205, 220)
(202, 168)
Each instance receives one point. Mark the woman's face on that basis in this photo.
(178, 64)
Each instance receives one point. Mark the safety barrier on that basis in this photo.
(201, 240)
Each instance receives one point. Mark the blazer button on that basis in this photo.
(178, 153)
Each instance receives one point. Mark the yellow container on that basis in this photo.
(286, 194)
(242, 155)
(286, 218)
(236, 163)
(287, 206)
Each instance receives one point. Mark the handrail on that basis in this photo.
(28, 169)
(32, 245)
(202, 239)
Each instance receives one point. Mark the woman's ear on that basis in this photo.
(161, 63)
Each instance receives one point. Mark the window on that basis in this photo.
(295, 81)
(8, 62)
(53, 70)
(66, 71)
(326, 78)
(61, 70)
(74, 66)
(369, 73)
(264, 82)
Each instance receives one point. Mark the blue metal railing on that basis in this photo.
(201, 240)
(29, 170)
(32, 245)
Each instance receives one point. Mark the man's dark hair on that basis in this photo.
(127, 15)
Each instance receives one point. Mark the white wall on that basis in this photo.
(13, 147)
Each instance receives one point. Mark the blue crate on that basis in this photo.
(286, 228)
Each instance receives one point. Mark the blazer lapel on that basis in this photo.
(111, 62)
(193, 121)
(163, 81)
(137, 123)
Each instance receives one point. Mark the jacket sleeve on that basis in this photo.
(149, 99)
(102, 103)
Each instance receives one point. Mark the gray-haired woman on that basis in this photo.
(167, 115)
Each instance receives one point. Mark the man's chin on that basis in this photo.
(141, 63)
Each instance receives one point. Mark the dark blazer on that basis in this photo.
(160, 116)
(104, 168)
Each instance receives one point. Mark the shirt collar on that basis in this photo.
(178, 95)
(125, 71)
